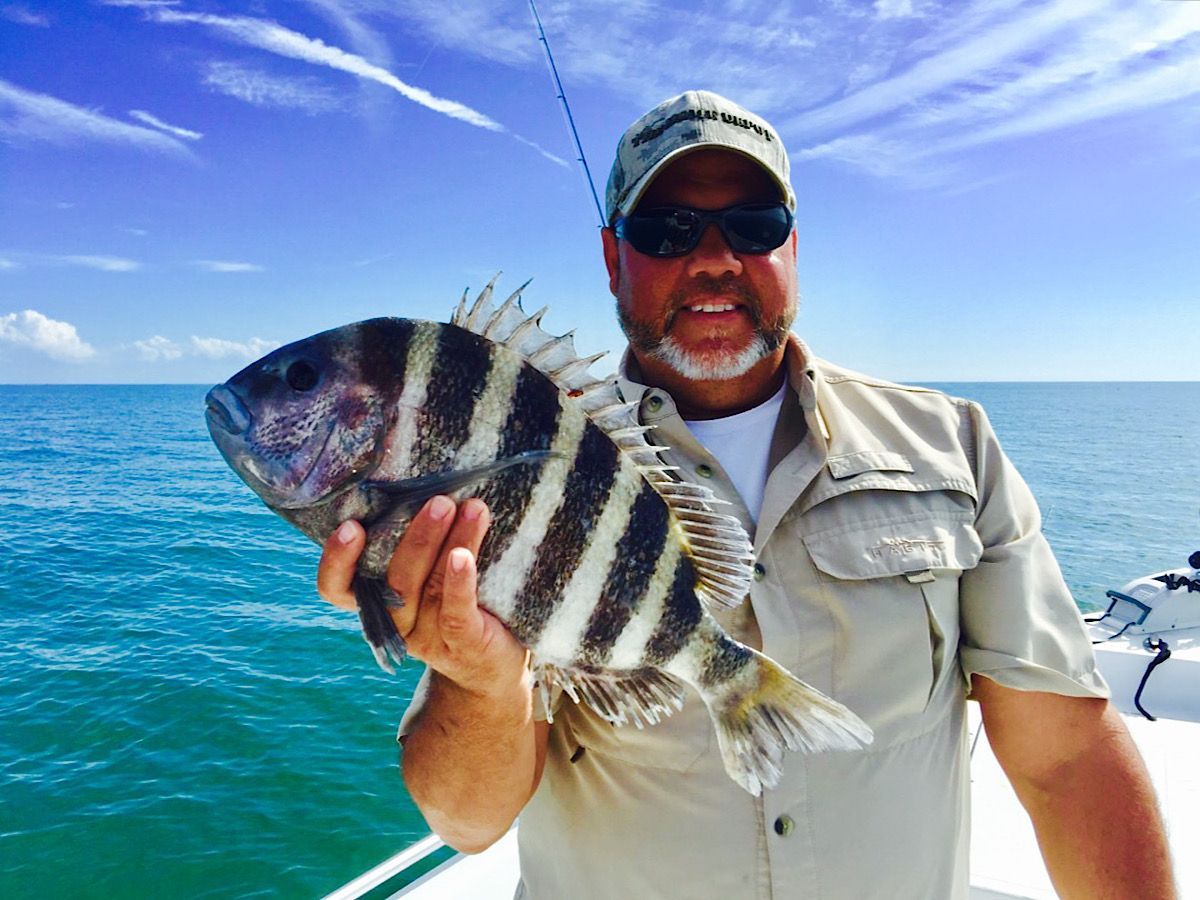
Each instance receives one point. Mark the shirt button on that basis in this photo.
(760, 571)
(654, 403)
(704, 470)
(784, 826)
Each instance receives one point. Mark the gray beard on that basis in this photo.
(706, 366)
(768, 337)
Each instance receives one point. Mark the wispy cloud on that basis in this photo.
(274, 38)
(920, 81)
(220, 348)
(101, 263)
(223, 265)
(263, 89)
(1047, 68)
(56, 339)
(157, 347)
(39, 117)
(155, 122)
(96, 261)
(22, 15)
(7, 265)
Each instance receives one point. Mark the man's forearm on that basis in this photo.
(471, 762)
(1098, 824)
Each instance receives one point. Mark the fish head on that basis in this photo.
(308, 420)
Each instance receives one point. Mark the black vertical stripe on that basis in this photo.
(725, 658)
(638, 552)
(585, 493)
(461, 365)
(383, 346)
(532, 423)
(681, 615)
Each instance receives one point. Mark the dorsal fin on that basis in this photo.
(716, 543)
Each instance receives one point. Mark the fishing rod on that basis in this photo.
(566, 108)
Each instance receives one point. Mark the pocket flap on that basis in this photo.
(883, 549)
(846, 465)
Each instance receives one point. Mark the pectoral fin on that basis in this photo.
(412, 492)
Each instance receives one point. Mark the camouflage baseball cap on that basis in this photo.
(688, 122)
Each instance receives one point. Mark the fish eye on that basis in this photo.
(301, 376)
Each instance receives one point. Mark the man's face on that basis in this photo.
(712, 314)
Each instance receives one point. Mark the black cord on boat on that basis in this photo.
(566, 107)
(1164, 653)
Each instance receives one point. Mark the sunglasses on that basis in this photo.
(666, 231)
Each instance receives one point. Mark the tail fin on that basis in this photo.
(763, 709)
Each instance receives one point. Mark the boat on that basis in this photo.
(1147, 646)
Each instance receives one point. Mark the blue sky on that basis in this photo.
(995, 190)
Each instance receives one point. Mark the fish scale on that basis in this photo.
(599, 558)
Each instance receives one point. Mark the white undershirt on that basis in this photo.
(742, 445)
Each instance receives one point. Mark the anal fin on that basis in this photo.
(643, 697)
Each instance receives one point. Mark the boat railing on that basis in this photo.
(388, 869)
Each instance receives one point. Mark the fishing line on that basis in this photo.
(566, 108)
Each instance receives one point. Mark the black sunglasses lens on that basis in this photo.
(751, 228)
(758, 228)
(661, 232)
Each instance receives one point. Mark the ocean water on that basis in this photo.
(182, 716)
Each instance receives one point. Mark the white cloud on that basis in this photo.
(157, 348)
(266, 90)
(931, 74)
(7, 264)
(141, 4)
(893, 9)
(57, 339)
(101, 263)
(1053, 67)
(222, 265)
(274, 38)
(88, 261)
(154, 122)
(219, 348)
(22, 15)
(40, 117)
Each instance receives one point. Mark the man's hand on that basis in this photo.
(433, 572)
(473, 756)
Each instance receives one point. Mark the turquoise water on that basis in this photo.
(183, 717)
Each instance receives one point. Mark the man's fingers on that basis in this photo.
(470, 527)
(416, 555)
(338, 559)
(459, 619)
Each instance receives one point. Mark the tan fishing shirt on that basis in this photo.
(898, 553)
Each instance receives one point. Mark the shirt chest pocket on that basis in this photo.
(888, 563)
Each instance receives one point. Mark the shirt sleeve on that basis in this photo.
(1020, 625)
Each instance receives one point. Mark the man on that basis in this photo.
(900, 566)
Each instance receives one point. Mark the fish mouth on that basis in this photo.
(226, 410)
(229, 422)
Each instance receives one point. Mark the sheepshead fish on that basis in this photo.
(599, 560)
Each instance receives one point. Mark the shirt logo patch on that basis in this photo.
(905, 547)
